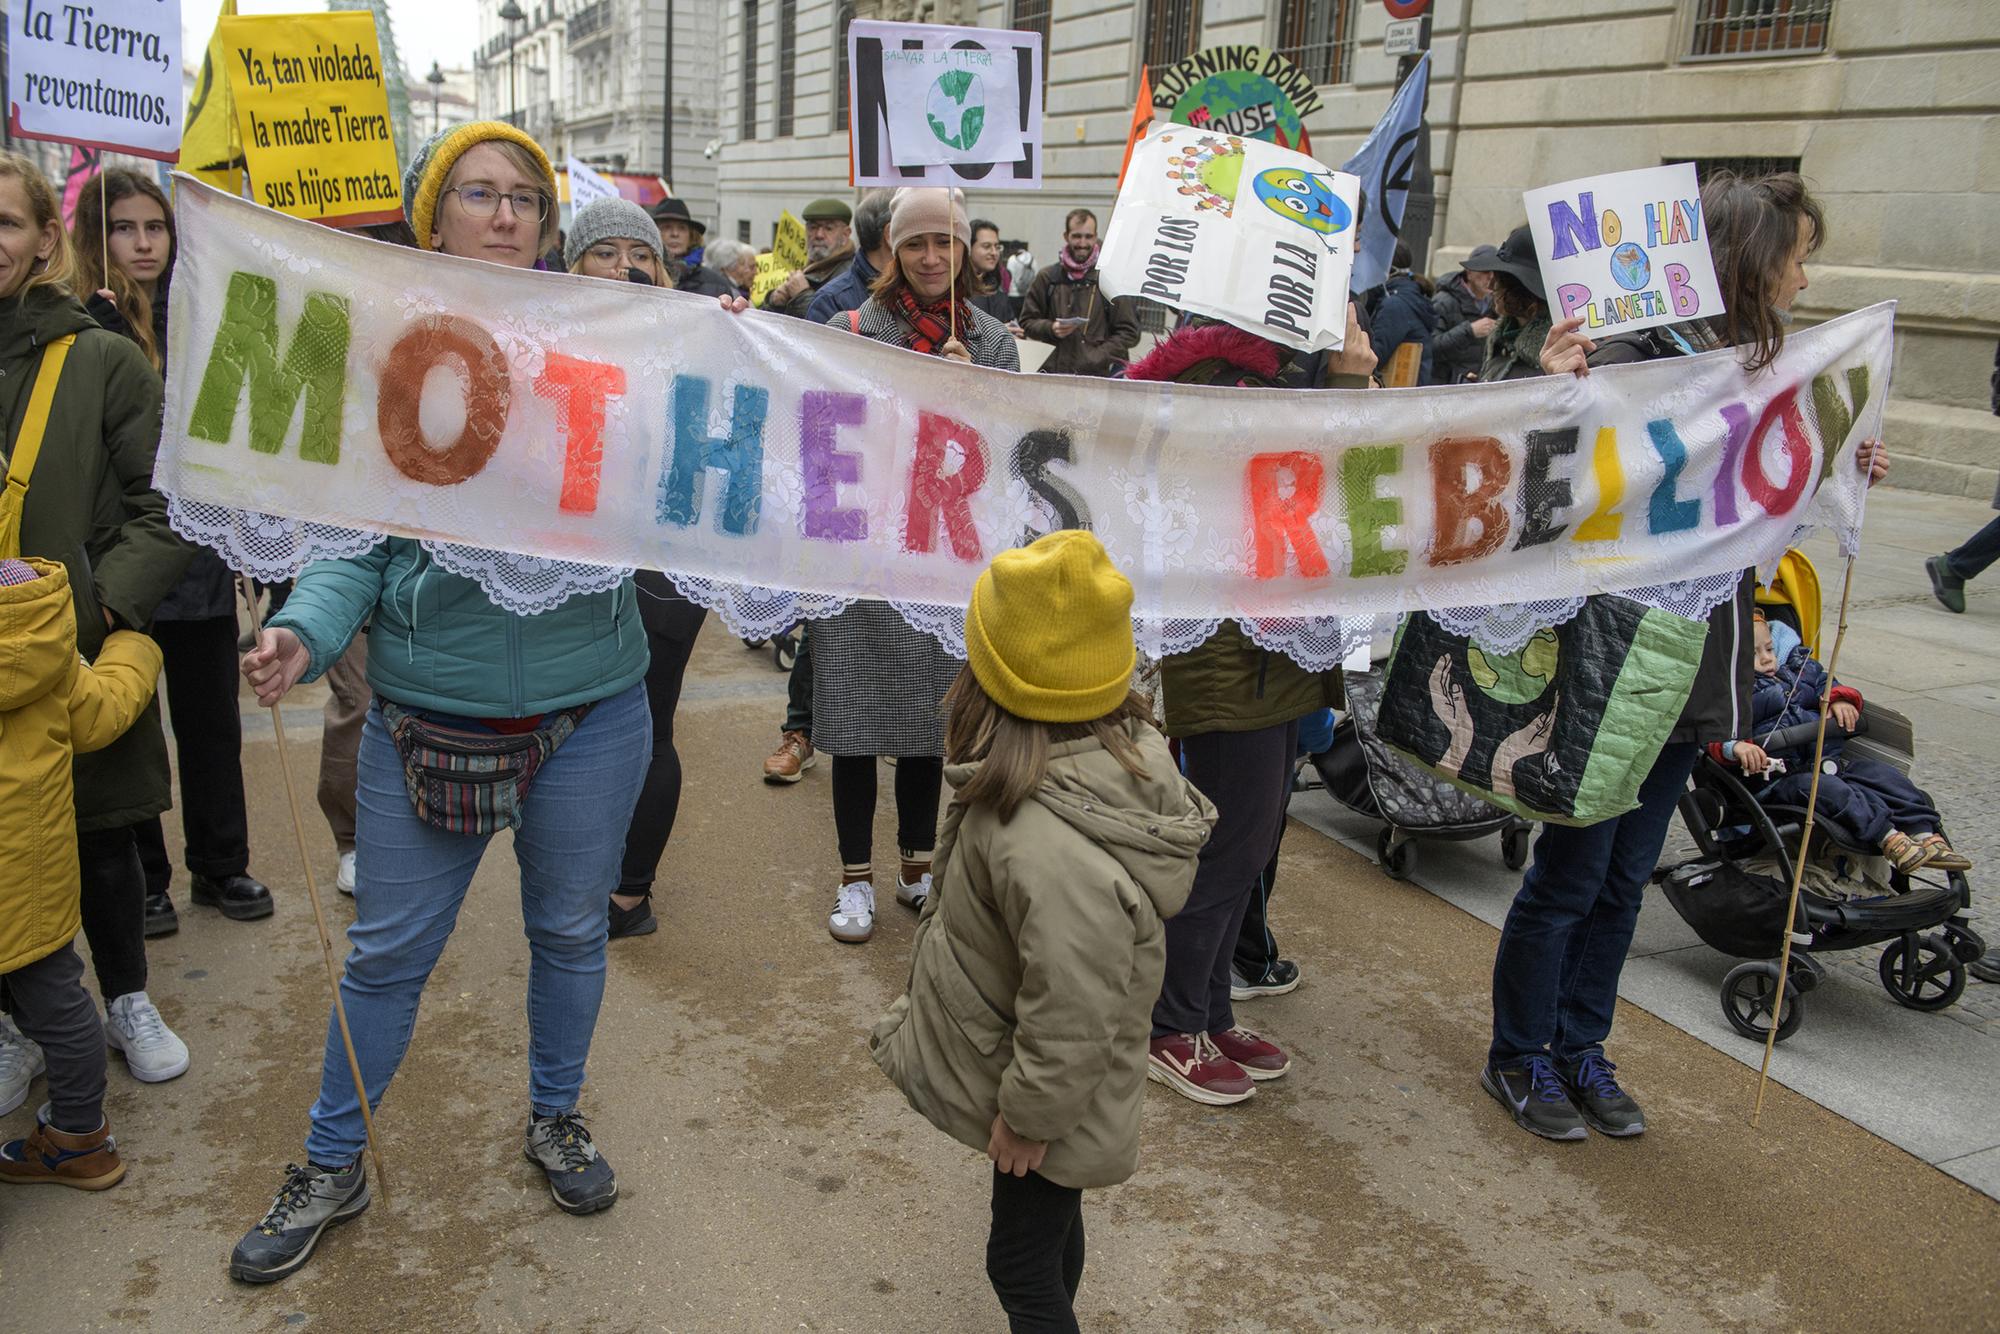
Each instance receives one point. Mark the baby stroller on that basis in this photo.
(1734, 894)
(1368, 778)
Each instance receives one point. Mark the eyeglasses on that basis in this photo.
(479, 201)
(613, 252)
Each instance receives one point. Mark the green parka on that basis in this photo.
(1039, 956)
(91, 506)
(1229, 684)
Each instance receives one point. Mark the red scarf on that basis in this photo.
(929, 327)
(1078, 271)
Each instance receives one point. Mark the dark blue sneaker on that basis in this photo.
(311, 1201)
(1608, 1108)
(580, 1178)
(1533, 1094)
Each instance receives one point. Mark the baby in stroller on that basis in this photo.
(1875, 800)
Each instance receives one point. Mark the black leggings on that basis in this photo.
(672, 622)
(918, 781)
(1034, 1255)
(114, 909)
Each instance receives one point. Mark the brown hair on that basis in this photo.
(890, 280)
(524, 162)
(1069, 218)
(1013, 752)
(57, 269)
(1513, 300)
(93, 208)
(1753, 227)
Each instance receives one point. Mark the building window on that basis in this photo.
(843, 14)
(1171, 26)
(1318, 37)
(747, 125)
(1033, 16)
(788, 48)
(1751, 167)
(1752, 29)
(743, 230)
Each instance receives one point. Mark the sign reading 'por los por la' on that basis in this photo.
(1626, 251)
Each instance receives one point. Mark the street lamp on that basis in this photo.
(436, 80)
(510, 14)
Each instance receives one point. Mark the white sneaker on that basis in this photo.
(912, 894)
(133, 1026)
(20, 1061)
(853, 918)
(343, 879)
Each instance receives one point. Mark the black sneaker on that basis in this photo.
(1279, 978)
(311, 1200)
(637, 920)
(1947, 587)
(1609, 1109)
(238, 897)
(161, 919)
(580, 1178)
(1534, 1095)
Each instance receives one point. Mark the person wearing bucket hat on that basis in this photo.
(1520, 308)
(1464, 301)
(1071, 836)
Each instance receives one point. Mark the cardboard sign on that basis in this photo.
(586, 187)
(209, 151)
(790, 247)
(1626, 251)
(1240, 90)
(104, 75)
(1237, 229)
(933, 105)
(312, 113)
(771, 274)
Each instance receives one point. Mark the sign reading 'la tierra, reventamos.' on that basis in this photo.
(104, 75)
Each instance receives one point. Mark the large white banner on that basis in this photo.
(330, 378)
(106, 74)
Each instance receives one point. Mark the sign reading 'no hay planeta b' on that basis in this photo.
(341, 381)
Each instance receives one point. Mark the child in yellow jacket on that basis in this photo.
(53, 705)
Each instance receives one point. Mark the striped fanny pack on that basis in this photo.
(469, 780)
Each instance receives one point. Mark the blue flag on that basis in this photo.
(1384, 163)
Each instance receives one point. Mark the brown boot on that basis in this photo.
(1943, 856)
(1905, 853)
(55, 1157)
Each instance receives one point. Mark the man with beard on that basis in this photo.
(1092, 334)
(829, 250)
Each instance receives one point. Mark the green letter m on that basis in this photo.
(246, 348)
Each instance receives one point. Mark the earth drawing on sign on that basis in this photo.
(1630, 268)
(1209, 170)
(956, 109)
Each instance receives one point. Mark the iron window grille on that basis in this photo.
(1756, 29)
(1318, 37)
(1171, 26)
(843, 14)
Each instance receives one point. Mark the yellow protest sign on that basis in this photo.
(312, 114)
(209, 151)
(770, 274)
(790, 247)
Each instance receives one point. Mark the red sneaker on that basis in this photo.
(1259, 1059)
(1191, 1065)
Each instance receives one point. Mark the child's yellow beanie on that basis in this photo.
(1049, 631)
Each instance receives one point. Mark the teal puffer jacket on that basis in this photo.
(435, 640)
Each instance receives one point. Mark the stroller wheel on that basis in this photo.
(1747, 1001)
(785, 652)
(1398, 856)
(1922, 972)
(1514, 841)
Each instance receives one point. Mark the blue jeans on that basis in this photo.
(1977, 552)
(410, 880)
(1555, 977)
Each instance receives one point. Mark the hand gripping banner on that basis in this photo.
(544, 433)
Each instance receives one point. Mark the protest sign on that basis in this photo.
(1241, 90)
(103, 75)
(312, 115)
(586, 187)
(377, 390)
(209, 149)
(936, 105)
(790, 245)
(1626, 251)
(1236, 228)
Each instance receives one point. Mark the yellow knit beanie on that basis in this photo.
(1049, 631)
(424, 178)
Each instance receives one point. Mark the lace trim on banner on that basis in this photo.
(264, 546)
(1503, 629)
(528, 585)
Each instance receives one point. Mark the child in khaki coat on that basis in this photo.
(1070, 837)
(52, 706)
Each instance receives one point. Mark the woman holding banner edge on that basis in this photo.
(454, 675)
(1563, 945)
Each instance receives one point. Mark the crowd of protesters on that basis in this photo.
(1101, 899)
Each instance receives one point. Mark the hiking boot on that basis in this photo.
(343, 874)
(51, 1157)
(1536, 1098)
(1942, 855)
(132, 1025)
(1279, 978)
(312, 1200)
(20, 1061)
(637, 920)
(580, 1178)
(238, 897)
(1608, 1108)
(1193, 1066)
(789, 762)
(1947, 587)
(161, 919)
(1260, 1059)
(1905, 853)
(911, 894)
(853, 916)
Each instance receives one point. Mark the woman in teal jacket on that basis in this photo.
(440, 652)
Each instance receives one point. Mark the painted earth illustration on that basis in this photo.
(1306, 198)
(1630, 268)
(956, 109)
(1209, 170)
(1232, 92)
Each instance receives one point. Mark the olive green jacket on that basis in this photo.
(1229, 684)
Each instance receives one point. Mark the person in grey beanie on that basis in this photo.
(609, 238)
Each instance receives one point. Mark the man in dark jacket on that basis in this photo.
(849, 290)
(681, 244)
(829, 249)
(1092, 334)
(1405, 315)
(1464, 302)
